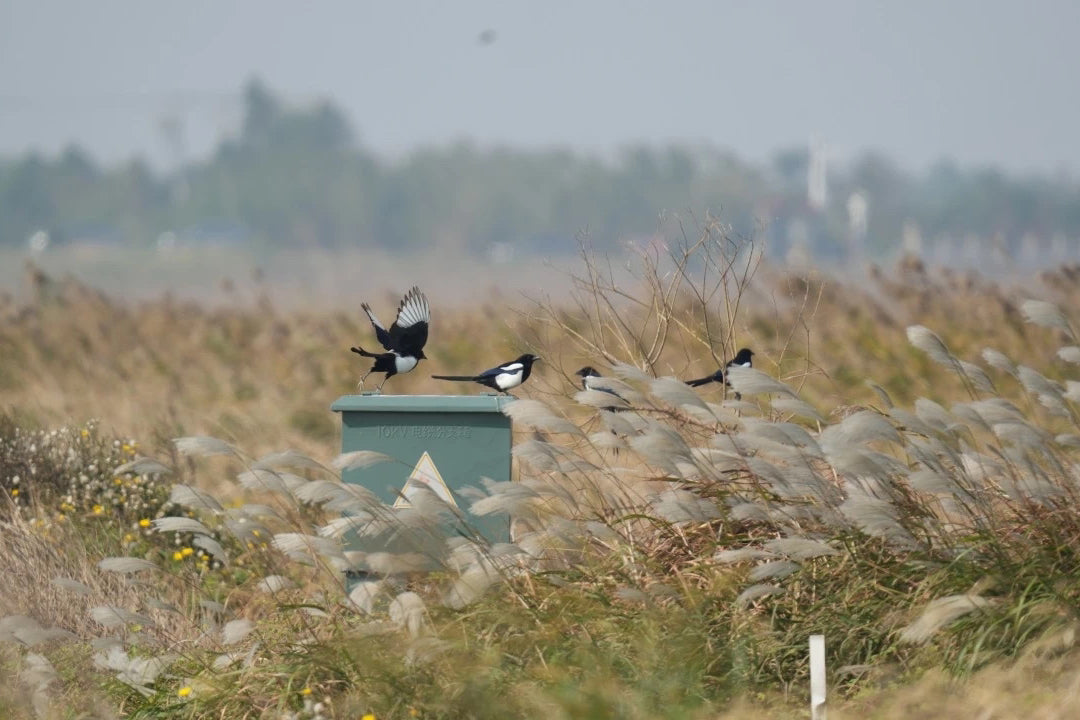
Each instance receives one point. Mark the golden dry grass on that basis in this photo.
(262, 376)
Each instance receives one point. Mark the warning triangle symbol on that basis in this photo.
(425, 474)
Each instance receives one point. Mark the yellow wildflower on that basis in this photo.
(144, 523)
(128, 537)
(369, 716)
(98, 509)
(85, 433)
(177, 555)
(184, 691)
(306, 691)
(118, 480)
(413, 712)
(186, 551)
(15, 492)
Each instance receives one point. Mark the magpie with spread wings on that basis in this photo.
(403, 342)
(504, 377)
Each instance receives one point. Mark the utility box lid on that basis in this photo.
(446, 442)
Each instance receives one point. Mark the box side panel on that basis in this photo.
(462, 447)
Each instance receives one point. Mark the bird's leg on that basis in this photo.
(360, 385)
(378, 390)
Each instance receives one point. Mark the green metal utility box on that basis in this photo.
(443, 441)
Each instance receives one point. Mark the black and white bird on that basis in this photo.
(403, 342)
(741, 359)
(589, 375)
(503, 378)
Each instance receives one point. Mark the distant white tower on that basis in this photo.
(858, 210)
(911, 238)
(817, 185)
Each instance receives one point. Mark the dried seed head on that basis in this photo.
(676, 393)
(194, 498)
(926, 340)
(738, 555)
(142, 466)
(629, 372)
(1037, 384)
(939, 613)
(773, 570)
(682, 506)
(1070, 353)
(407, 611)
(800, 548)
(114, 616)
(756, 592)
(202, 446)
(359, 459)
(796, 407)
(235, 631)
(538, 416)
(180, 525)
(1044, 314)
(748, 381)
(599, 399)
(999, 360)
(71, 585)
(125, 565)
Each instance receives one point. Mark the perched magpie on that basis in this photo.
(741, 359)
(588, 374)
(504, 377)
(403, 342)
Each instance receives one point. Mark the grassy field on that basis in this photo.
(900, 475)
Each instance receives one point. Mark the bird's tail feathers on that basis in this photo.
(361, 351)
(700, 381)
(454, 377)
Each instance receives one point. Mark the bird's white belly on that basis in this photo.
(505, 381)
(404, 364)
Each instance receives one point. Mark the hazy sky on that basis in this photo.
(983, 82)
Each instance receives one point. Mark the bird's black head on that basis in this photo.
(587, 371)
(527, 359)
(743, 356)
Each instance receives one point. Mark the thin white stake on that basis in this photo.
(817, 677)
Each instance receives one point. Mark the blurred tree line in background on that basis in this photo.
(300, 177)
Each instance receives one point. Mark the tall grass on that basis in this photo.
(669, 559)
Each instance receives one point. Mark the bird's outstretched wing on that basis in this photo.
(408, 334)
(380, 332)
(511, 367)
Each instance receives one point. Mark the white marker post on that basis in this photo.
(817, 677)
